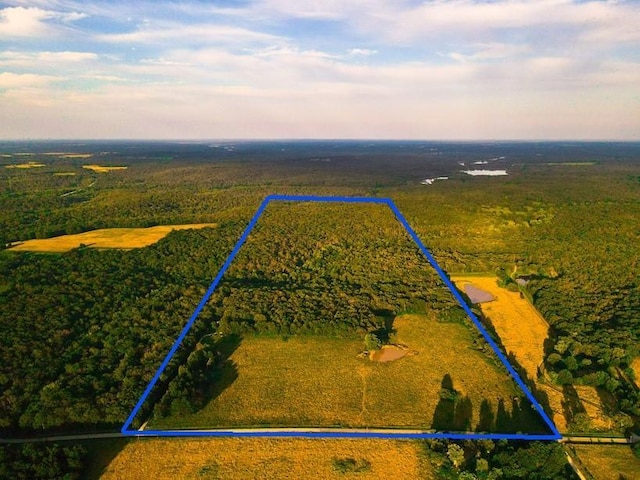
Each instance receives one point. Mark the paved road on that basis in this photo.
(274, 431)
(620, 440)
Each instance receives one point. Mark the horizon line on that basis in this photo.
(318, 139)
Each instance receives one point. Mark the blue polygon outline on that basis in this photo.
(337, 433)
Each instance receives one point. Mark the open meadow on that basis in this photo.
(103, 169)
(321, 381)
(607, 462)
(241, 458)
(635, 365)
(122, 238)
(523, 331)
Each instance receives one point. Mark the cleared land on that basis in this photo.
(321, 381)
(26, 165)
(69, 155)
(241, 458)
(124, 238)
(635, 365)
(523, 331)
(607, 462)
(519, 325)
(102, 169)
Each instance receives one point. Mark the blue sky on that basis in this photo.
(455, 69)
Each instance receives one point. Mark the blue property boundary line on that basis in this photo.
(555, 435)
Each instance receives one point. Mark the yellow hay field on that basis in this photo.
(26, 165)
(124, 238)
(64, 174)
(70, 155)
(635, 365)
(522, 331)
(242, 458)
(607, 462)
(102, 169)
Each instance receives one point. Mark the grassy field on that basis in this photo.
(26, 165)
(519, 325)
(105, 238)
(69, 155)
(243, 458)
(321, 381)
(102, 169)
(635, 365)
(523, 331)
(607, 462)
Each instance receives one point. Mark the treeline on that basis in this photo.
(83, 332)
(488, 459)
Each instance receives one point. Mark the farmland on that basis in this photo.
(85, 330)
(523, 332)
(241, 458)
(122, 238)
(103, 169)
(609, 461)
(321, 381)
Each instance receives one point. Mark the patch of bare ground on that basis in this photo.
(389, 353)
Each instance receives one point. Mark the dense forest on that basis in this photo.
(85, 330)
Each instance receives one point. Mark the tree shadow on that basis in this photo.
(571, 403)
(224, 371)
(503, 419)
(453, 412)
(487, 420)
(534, 420)
(205, 374)
(100, 454)
(385, 318)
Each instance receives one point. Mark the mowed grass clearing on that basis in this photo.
(321, 381)
(123, 238)
(522, 331)
(102, 169)
(635, 366)
(521, 328)
(606, 462)
(26, 165)
(242, 458)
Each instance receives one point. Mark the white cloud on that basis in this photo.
(168, 33)
(39, 59)
(14, 80)
(365, 52)
(490, 51)
(505, 69)
(32, 21)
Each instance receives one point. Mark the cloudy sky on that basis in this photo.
(436, 69)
